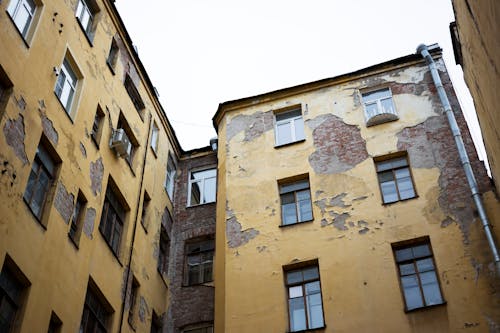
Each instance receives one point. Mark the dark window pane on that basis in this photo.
(412, 292)
(430, 288)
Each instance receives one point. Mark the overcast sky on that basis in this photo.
(200, 53)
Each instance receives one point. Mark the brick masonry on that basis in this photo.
(189, 304)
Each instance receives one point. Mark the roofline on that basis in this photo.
(404, 61)
(149, 83)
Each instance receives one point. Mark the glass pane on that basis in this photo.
(204, 174)
(193, 273)
(294, 277)
(377, 94)
(312, 288)
(311, 273)
(424, 265)
(287, 198)
(299, 129)
(412, 292)
(195, 193)
(399, 162)
(315, 311)
(289, 213)
(300, 185)
(297, 314)
(23, 20)
(207, 271)
(304, 195)
(284, 133)
(371, 110)
(385, 176)
(69, 72)
(288, 114)
(421, 251)
(294, 292)
(407, 269)
(430, 287)
(84, 19)
(389, 191)
(305, 210)
(31, 182)
(40, 193)
(405, 187)
(387, 106)
(404, 254)
(209, 190)
(7, 315)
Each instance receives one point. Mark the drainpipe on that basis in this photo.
(424, 51)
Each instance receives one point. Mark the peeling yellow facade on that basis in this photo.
(351, 233)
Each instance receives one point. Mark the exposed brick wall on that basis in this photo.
(189, 304)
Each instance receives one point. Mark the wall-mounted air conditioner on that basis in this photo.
(121, 143)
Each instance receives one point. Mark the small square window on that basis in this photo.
(42, 176)
(97, 126)
(289, 127)
(395, 179)
(86, 12)
(155, 132)
(379, 107)
(170, 181)
(24, 15)
(199, 261)
(305, 306)
(202, 187)
(417, 274)
(76, 225)
(295, 202)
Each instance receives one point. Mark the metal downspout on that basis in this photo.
(424, 51)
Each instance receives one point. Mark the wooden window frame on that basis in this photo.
(291, 181)
(95, 297)
(202, 279)
(112, 203)
(395, 156)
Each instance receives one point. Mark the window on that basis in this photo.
(154, 137)
(122, 123)
(133, 302)
(5, 90)
(156, 323)
(77, 218)
(112, 219)
(305, 306)
(164, 251)
(22, 12)
(145, 204)
(169, 184)
(379, 107)
(295, 202)
(86, 11)
(13, 285)
(113, 55)
(42, 176)
(55, 324)
(97, 126)
(417, 274)
(202, 187)
(66, 85)
(395, 179)
(96, 312)
(199, 261)
(201, 328)
(289, 127)
(134, 94)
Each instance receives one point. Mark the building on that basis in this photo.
(342, 207)
(323, 189)
(475, 42)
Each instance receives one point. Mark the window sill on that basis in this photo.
(89, 39)
(288, 144)
(403, 200)
(424, 308)
(309, 330)
(199, 205)
(296, 223)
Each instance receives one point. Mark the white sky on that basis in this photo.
(199, 53)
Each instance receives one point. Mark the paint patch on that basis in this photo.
(14, 133)
(21, 103)
(48, 128)
(446, 222)
(235, 235)
(8, 177)
(63, 202)
(338, 201)
(88, 223)
(339, 146)
(253, 125)
(96, 175)
(143, 310)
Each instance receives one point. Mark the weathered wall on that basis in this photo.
(352, 230)
(478, 29)
(189, 304)
(57, 269)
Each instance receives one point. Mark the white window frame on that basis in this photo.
(14, 11)
(81, 9)
(382, 114)
(63, 82)
(170, 179)
(292, 120)
(202, 186)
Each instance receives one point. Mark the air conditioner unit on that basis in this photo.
(121, 143)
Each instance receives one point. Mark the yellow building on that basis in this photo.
(342, 206)
(475, 42)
